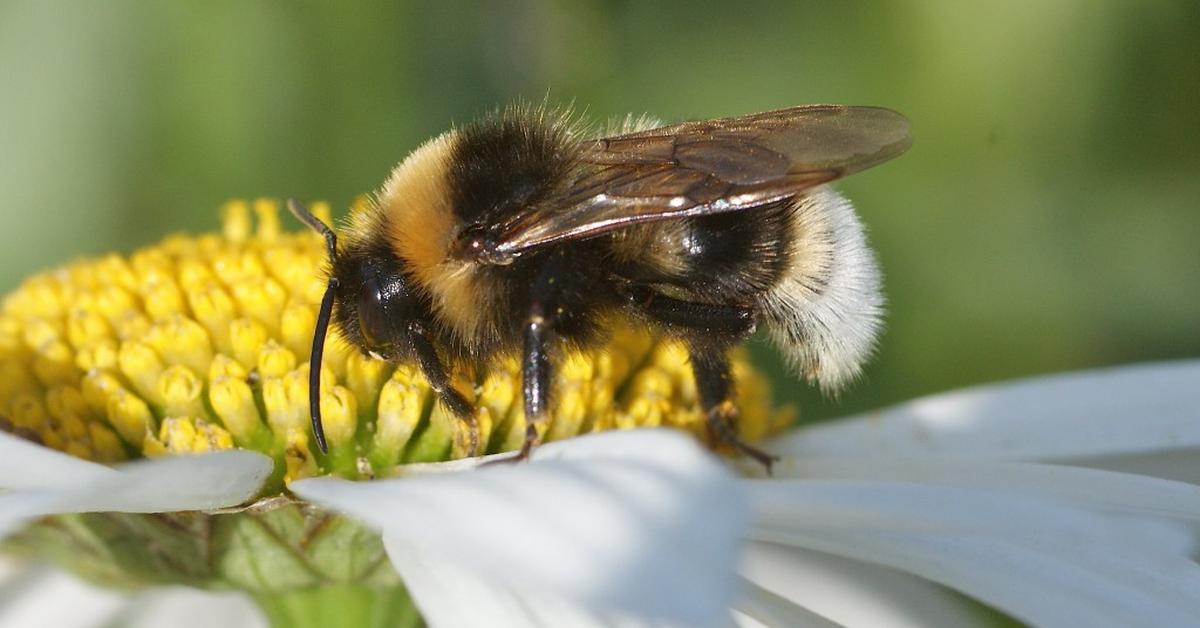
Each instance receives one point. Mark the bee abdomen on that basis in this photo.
(726, 258)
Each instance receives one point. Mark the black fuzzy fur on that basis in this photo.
(501, 165)
(734, 258)
(508, 161)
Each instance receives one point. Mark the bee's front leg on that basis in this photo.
(439, 381)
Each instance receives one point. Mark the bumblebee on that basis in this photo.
(521, 235)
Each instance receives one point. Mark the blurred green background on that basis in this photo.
(1046, 218)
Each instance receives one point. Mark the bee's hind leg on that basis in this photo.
(710, 330)
(714, 385)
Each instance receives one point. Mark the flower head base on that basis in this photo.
(201, 343)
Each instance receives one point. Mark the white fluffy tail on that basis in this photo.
(826, 312)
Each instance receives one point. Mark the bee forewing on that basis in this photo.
(798, 139)
(708, 167)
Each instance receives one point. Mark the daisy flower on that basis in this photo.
(155, 433)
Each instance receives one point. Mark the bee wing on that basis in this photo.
(707, 167)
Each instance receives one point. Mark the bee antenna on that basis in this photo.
(303, 215)
(322, 329)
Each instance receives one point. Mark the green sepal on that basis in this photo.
(277, 546)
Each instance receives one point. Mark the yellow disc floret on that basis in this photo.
(201, 343)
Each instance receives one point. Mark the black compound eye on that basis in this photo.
(372, 320)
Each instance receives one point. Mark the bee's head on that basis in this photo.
(374, 304)
(368, 299)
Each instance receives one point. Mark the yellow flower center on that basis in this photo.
(201, 343)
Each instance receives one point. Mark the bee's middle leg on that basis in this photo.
(714, 385)
(536, 366)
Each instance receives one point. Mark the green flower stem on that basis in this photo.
(340, 606)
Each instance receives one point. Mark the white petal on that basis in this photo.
(1097, 489)
(26, 465)
(44, 596)
(182, 607)
(450, 594)
(844, 592)
(199, 482)
(757, 607)
(10, 569)
(1176, 464)
(1037, 560)
(641, 523)
(1104, 412)
(40, 595)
